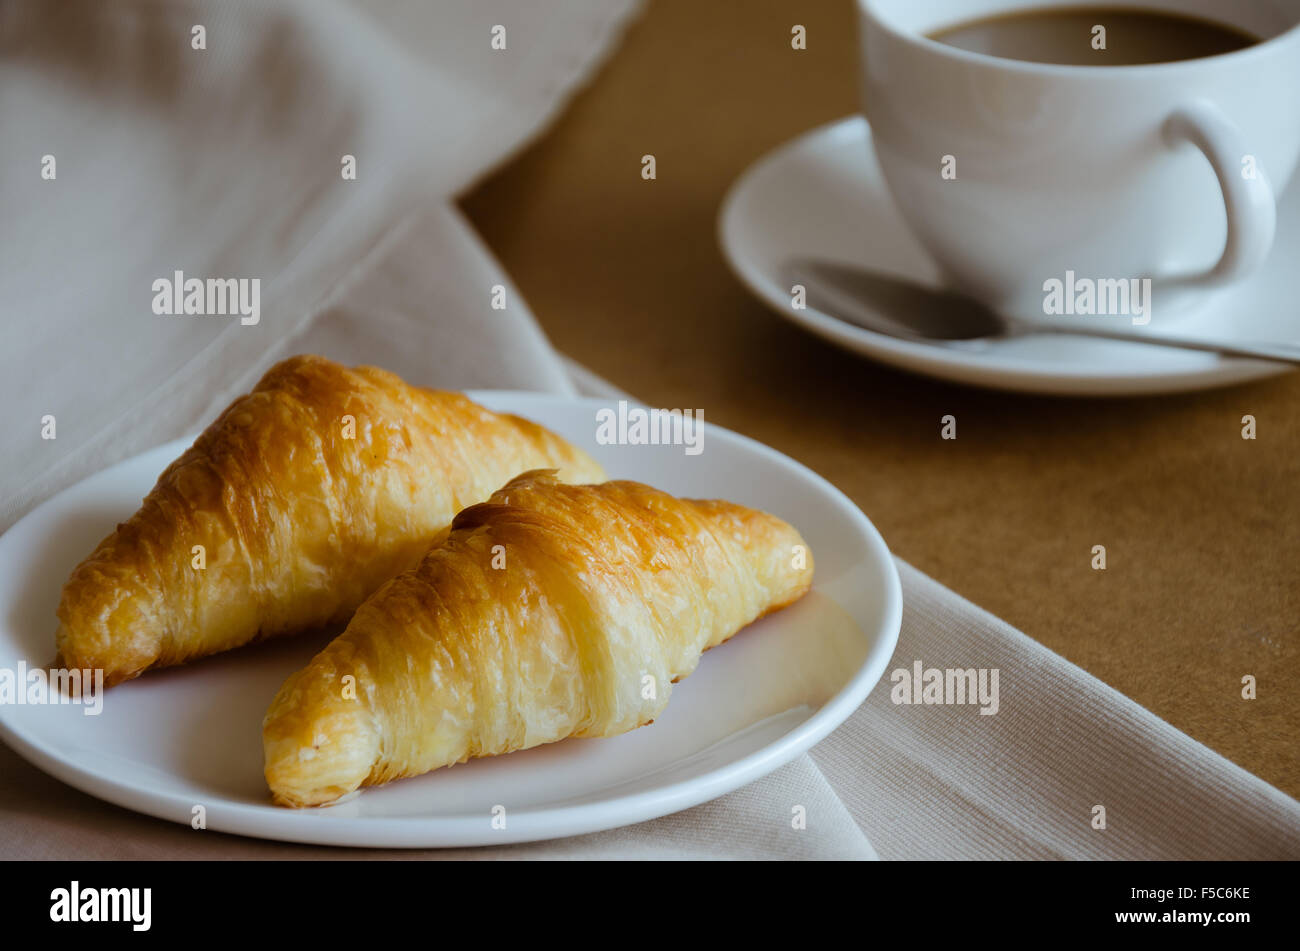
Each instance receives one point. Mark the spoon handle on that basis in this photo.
(1275, 352)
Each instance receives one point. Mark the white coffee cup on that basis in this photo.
(1015, 174)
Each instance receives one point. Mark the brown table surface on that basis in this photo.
(626, 276)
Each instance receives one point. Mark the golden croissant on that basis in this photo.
(287, 512)
(549, 611)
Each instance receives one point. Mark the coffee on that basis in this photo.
(1095, 36)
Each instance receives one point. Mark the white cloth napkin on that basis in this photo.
(226, 163)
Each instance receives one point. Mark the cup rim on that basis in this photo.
(923, 42)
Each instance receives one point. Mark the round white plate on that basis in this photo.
(176, 739)
(823, 196)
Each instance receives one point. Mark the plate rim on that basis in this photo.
(959, 366)
(264, 821)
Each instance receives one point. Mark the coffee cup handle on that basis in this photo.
(1247, 194)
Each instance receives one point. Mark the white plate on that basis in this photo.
(191, 736)
(822, 195)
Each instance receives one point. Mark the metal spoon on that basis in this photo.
(896, 307)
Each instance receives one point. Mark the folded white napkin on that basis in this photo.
(943, 782)
(129, 155)
(226, 162)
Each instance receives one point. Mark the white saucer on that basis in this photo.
(191, 736)
(823, 196)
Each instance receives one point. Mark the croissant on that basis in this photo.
(297, 503)
(549, 611)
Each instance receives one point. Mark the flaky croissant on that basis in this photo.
(549, 611)
(305, 496)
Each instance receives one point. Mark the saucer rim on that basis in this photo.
(970, 367)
